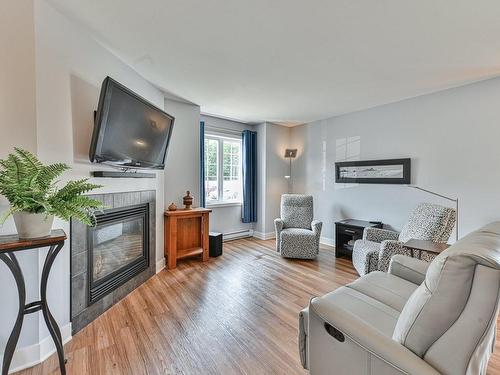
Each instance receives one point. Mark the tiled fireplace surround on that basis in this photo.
(81, 312)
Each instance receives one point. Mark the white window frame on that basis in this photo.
(220, 170)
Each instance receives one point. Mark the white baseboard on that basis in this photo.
(327, 241)
(160, 264)
(32, 355)
(264, 236)
(238, 234)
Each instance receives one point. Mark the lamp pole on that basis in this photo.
(444, 197)
(290, 154)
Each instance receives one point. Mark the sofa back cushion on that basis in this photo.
(438, 303)
(297, 210)
(429, 222)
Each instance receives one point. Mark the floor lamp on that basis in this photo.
(444, 197)
(290, 153)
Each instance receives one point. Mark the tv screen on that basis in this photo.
(129, 131)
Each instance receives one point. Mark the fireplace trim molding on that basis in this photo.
(82, 311)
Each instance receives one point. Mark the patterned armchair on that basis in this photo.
(297, 235)
(427, 222)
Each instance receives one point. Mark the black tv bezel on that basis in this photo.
(100, 126)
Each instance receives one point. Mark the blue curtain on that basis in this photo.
(249, 159)
(202, 163)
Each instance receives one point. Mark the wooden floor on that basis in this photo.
(236, 314)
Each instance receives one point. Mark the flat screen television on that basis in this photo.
(129, 131)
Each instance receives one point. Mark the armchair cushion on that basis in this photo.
(386, 288)
(297, 210)
(408, 268)
(429, 222)
(379, 235)
(298, 243)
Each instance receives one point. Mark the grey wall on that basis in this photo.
(272, 142)
(182, 171)
(17, 128)
(452, 137)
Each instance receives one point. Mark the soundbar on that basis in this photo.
(116, 174)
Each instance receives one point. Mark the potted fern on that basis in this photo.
(34, 197)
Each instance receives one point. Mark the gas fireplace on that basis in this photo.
(113, 258)
(118, 249)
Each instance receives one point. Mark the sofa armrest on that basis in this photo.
(379, 235)
(303, 333)
(365, 336)
(410, 269)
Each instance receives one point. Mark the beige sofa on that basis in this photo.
(419, 318)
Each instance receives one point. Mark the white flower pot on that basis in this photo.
(31, 225)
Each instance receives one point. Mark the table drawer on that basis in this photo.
(350, 231)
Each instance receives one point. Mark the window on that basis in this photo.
(223, 182)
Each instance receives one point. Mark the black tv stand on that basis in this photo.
(116, 174)
(348, 231)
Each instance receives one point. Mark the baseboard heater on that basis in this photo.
(237, 234)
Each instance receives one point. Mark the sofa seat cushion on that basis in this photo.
(360, 306)
(385, 288)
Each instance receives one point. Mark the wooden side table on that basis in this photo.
(427, 246)
(348, 231)
(186, 234)
(8, 246)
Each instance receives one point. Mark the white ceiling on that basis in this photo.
(294, 61)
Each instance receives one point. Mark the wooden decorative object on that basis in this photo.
(187, 200)
(186, 234)
(172, 207)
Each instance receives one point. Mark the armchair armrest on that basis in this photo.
(379, 235)
(316, 226)
(365, 337)
(278, 226)
(410, 269)
(388, 248)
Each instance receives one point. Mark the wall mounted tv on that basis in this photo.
(129, 131)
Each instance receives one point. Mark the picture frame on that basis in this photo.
(385, 171)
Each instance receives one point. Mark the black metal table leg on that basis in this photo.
(47, 315)
(11, 261)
